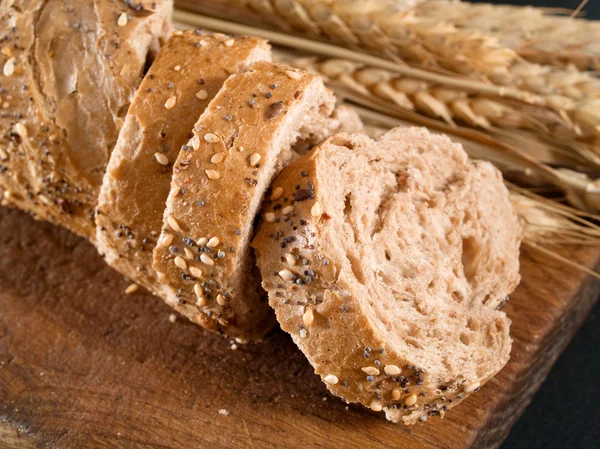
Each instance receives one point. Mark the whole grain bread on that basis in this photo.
(385, 260)
(188, 72)
(70, 69)
(240, 142)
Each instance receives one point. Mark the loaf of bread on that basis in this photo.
(69, 71)
(240, 142)
(188, 72)
(385, 261)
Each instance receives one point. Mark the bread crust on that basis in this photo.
(243, 138)
(188, 72)
(317, 292)
(70, 71)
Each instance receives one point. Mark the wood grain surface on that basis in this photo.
(84, 365)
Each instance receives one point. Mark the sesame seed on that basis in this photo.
(217, 158)
(472, 387)
(202, 241)
(376, 406)
(132, 288)
(122, 20)
(173, 223)
(392, 370)
(229, 42)
(370, 370)
(200, 301)
(213, 242)
(303, 333)
(287, 210)
(293, 74)
(254, 159)
(396, 394)
(161, 158)
(198, 290)
(188, 253)
(170, 103)
(206, 259)
(269, 217)
(411, 400)
(172, 318)
(277, 193)
(221, 300)
(211, 138)
(212, 174)
(195, 142)
(167, 239)
(180, 262)
(223, 412)
(196, 272)
(290, 259)
(286, 275)
(317, 210)
(177, 68)
(331, 379)
(21, 130)
(202, 95)
(9, 67)
(309, 317)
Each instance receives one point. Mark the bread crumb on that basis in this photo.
(223, 411)
(172, 318)
(132, 288)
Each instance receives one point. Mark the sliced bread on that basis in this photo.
(240, 142)
(384, 261)
(188, 72)
(70, 70)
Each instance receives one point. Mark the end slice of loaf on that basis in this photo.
(188, 72)
(240, 142)
(70, 71)
(385, 271)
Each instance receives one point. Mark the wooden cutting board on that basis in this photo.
(84, 365)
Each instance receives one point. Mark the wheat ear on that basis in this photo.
(536, 34)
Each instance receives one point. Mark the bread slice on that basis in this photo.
(380, 259)
(243, 138)
(70, 70)
(188, 72)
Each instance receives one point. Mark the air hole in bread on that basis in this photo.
(465, 338)
(474, 324)
(469, 252)
(347, 205)
(356, 266)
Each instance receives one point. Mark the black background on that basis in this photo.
(565, 412)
